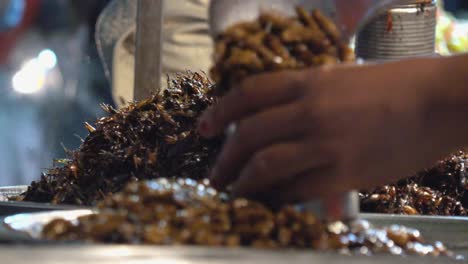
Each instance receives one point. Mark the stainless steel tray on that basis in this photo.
(453, 231)
(11, 207)
(32, 223)
(9, 191)
(96, 254)
(27, 227)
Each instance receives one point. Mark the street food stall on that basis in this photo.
(137, 189)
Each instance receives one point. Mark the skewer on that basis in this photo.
(148, 48)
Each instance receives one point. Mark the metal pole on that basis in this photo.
(148, 49)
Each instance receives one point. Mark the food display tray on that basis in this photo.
(452, 231)
(26, 227)
(97, 254)
(11, 207)
(10, 191)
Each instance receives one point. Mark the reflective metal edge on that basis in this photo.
(452, 231)
(13, 207)
(412, 34)
(93, 254)
(9, 191)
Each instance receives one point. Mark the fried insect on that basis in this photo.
(441, 190)
(327, 25)
(274, 42)
(184, 211)
(153, 138)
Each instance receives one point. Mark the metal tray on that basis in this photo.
(94, 254)
(32, 223)
(10, 191)
(26, 227)
(452, 231)
(11, 207)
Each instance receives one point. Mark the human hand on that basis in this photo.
(316, 132)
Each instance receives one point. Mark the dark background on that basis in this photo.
(457, 6)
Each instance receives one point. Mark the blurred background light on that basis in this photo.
(32, 76)
(47, 59)
(51, 81)
(12, 11)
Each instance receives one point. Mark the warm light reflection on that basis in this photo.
(32, 76)
(47, 59)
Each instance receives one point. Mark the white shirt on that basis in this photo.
(186, 46)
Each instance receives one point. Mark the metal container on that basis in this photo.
(405, 30)
(8, 207)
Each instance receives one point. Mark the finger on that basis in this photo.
(254, 133)
(253, 94)
(321, 182)
(277, 165)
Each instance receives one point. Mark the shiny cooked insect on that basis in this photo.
(440, 190)
(274, 42)
(185, 211)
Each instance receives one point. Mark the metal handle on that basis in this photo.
(148, 49)
(340, 207)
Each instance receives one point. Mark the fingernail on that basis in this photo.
(214, 175)
(204, 128)
(206, 115)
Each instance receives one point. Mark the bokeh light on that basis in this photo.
(31, 78)
(47, 59)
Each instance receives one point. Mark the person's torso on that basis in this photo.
(186, 46)
(186, 41)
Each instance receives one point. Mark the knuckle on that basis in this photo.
(244, 91)
(305, 116)
(321, 73)
(241, 135)
(296, 81)
(261, 163)
(244, 96)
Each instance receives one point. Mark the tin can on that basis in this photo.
(404, 30)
